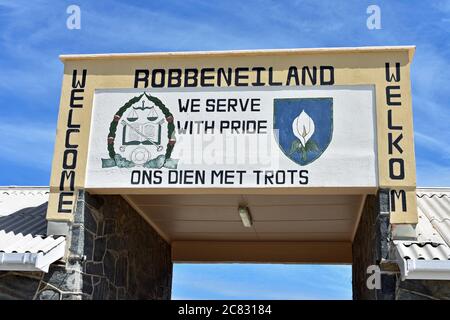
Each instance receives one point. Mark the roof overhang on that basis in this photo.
(412, 269)
(28, 253)
(31, 261)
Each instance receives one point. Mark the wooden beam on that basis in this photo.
(262, 252)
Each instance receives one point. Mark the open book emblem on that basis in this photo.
(142, 129)
(141, 134)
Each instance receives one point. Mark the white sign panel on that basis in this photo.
(233, 138)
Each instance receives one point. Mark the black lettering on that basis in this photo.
(76, 83)
(70, 124)
(394, 143)
(271, 81)
(401, 169)
(190, 74)
(225, 76)
(303, 176)
(258, 82)
(135, 177)
(162, 77)
(70, 165)
(141, 75)
(390, 125)
(330, 81)
(74, 98)
(312, 76)
(390, 96)
(293, 74)
(401, 194)
(390, 76)
(67, 175)
(204, 77)
(238, 77)
(68, 144)
(174, 78)
(63, 202)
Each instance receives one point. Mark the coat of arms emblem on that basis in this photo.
(304, 127)
(141, 134)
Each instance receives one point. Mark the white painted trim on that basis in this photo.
(66, 57)
(31, 261)
(411, 269)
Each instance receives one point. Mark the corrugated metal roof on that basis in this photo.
(23, 225)
(433, 238)
(18, 243)
(26, 221)
(423, 251)
(436, 207)
(13, 199)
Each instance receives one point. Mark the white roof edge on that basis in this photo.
(431, 189)
(426, 269)
(24, 187)
(31, 261)
(415, 269)
(410, 48)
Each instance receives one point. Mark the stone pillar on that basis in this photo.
(370, 247)
(113, 254)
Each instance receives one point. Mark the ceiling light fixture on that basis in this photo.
(245, 217)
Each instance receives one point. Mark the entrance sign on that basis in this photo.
(301, 121)
(233, 138)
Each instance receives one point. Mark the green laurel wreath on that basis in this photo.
(113, 126)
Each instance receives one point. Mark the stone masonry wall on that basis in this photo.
(114, 254)
(370, 246)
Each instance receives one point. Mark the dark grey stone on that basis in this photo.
(121, 294)
(88, 245)
(77, 240)
(96, 280)
(49, 294)
(90, 221)
(382, 238)
(109, 226)
(100, 229)
(384, 201)
(403, 294)
(121, 272)
(101, 290)
(439, 289)
(17, 287)
(65, 280)
(118, 243)
(112, 294)
(99, 248)
(88, 288)
(109, 265)
(94, 201)
(388, 287)
(94, 268)
(73, 296)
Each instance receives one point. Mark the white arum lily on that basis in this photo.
(303, 127)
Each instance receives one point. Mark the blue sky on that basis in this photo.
(34, 33)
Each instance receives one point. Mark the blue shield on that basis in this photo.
(303, 127)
